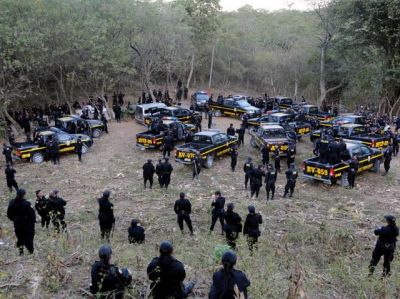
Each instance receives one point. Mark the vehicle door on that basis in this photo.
(228, 107)
(259, 137)
(221, 143)
(180, 131)
(367, 160)
(65, 143)
(185, 115)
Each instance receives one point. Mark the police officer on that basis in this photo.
(106, 215)
(57, 210)
(105, 122)
(166, 170)
(231, 130)
(352, 172)
(291, 155)
(196, 166)
(387, 155)
(334, 152)
(148, 173)
(54, 152)
(233, 225)
(241, 131)
(158, 172)
(291, 176)
(218, 211)
(234, 155)
(168, 145)
(256, 180)
(42, 207)
(7, 152)
(386, 245)
(167, 275)
(136, 232)
(323, 148)
(228, 278)
(10, 178)
(23, 215)
(265, 154)
(395, 143)
(245, 120)
(210, 117)
(197, 122)
(108, 281)
(277, 160)
(342, 149)
(183, 209)
(248, 169)
(79, 146)
(270, 181)
(252, 227)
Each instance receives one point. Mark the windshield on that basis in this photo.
(274, 133)
(287, 101)
(202, 139)
(243, 104)
(202, 97)
(313, 110)
(166, 112)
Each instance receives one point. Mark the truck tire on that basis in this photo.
(377, 165)
(217, 113)
(209, 162)
(37, 158)
(96, 133)
(253, 143)
(344, 182)
(85, 149)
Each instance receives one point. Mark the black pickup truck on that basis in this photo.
(354, 132)
(368, 158)
(36, 152)
(208, 144)
(173, 113)
(234, 107)
(287, 121)
(344, 119)
(272, 135)
(283, 102)
(311, 113)
(155, 139)
(72, 123)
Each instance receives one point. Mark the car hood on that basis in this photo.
(94, 122)
(251, 109)
(83, 137)
(276, 140)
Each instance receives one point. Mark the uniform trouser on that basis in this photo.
(186, 218)
(9, 161)
(105, 229)
(255, 189)
(166, 178)
(252, 242)
(160, 181)
(79, 156)
(196, 171)
(45, 220)
(59, 221)
(265, 161)
(290, 185)
(246, 179)
(214, 218)
(241, 140)
(351, 178)
(11, 184)
(150, 179)
(231, 238)
(386, 165)
(56, 158)
(233, 164)
(270, 187)
(395, 150)
(166, 152)
(24, 238)
(278, 166)
(209, 122)
(387, 258)
(289, 161)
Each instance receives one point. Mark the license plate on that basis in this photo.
(303, 131)
(185, 156)
(144, 141)
(317, 172)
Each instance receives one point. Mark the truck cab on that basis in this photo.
(272, 135)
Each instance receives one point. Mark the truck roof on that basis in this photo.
(280, 114)
(351, 115)
(309, 105)
(271, 126)
(46, 133)
(66, 118)
(208, 133)
(152, 105)
(352, 126)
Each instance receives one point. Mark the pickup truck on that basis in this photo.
(344, 119)
(151, 139)
(272, 135)
(36, 152)
(70, 124)
(173, 113)
(208, 144)
(199, 100)
(355, 132)
(287, 121)
(311, 113)
(234, 107)
(368, 158)
(283, 102)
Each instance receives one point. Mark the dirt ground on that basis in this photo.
(317, 244)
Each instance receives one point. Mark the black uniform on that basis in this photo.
(166, 170)
(55, 156)
(291, 156)
(291, 176)
(277, 162)
(352, 172)
(10, 178)
(7, 152)
(234, 156)
(158, 173)
(148, 173)
(210, 116)
(265, 155)
(241, 131)
(168, 145)
(106, 217)
(107, 281)
(57, 211)
(23, 215)
(252, 229)
(395, 143)
(196, 167)
(342, 150)
(167, 275)
(256, 181)
(323, 149)
(270, 180)
(136, 234)
(218, 212)
(183, 209)
(230, 131)
(232, 227)
(248, 169)
(223, 285)
(387, 154)
(42, 207)
(385, 246)
(79, 146)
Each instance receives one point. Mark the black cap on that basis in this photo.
(182, 195)
(105, 252)
(251, 209)
(218, 193)
(106, 193)
(134, 222)
(166, 247)
(390, 218)
(230, 206)
(149, 161)
(37, 191)
(21, 192)
(229, 257)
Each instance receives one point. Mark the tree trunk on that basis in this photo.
(296, 88)
(190, 72)
(322, 80)
(211, 67)
(11, 119)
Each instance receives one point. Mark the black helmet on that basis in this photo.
(105, 252)
(390, 218)
(166, 247)
(21, 193)
(251, 209)
(229, 257)
(134, 222)
(181, 195)
(106, 193)
(230, 206)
